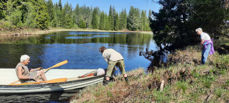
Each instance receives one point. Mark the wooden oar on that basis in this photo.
(58, 80)
(57, 65)
(45, 70)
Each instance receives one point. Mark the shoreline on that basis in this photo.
(25, 33)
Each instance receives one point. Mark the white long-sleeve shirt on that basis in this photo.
(111, 55)
(204, 36)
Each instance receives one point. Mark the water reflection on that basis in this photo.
(80, 48)
(55, 97)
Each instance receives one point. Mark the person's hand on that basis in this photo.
(39, 68)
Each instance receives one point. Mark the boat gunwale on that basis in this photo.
(50, 84)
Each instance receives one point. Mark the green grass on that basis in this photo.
(184, 83)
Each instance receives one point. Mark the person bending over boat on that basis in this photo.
(113, 58)
(26, 75)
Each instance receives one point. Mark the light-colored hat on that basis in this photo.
(199, 29)
(24, 57)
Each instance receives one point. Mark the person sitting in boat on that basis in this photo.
(26, 75)
(113, 58)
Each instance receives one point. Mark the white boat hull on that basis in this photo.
(52, 87)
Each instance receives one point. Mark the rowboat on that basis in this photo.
(58, 80)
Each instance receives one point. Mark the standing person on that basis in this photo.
(207, 45)
(25, 75)
(113, 58)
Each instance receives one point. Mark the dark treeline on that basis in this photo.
(175, 23)
(44, 14)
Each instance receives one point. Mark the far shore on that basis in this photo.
(24, 33)
(38, 31)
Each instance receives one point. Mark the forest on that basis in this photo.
(43, 14)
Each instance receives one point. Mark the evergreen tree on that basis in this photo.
(95, 18)
(82, 24)
(67, 16)
(143, 21)
(169, 24)
(42, 14)
(102, 21)
(31, 14)
(50, 12)
(111, 18)
(76, 15)
(60, 4)
(208, 14)
(177, 20)
(3, 4)
(55, 22)
(122, 20)
(116, 22)
(106, 21)
(133, 19)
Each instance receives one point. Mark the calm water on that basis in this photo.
(79, 48)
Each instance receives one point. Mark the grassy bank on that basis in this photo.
(24, 33)
(185, 80)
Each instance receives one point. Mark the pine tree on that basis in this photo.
(95, 18)
(60, 4)
(102, 21)
(116, 22)
(3, 4)
(122, 20)
(133, 19)
(50, 12)
(143, 21)
(177, 20)
(106, 21)
(111, 18)
(76, 15)
(67, 16)
(42, 15)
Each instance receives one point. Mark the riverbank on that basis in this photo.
(24, 33)
(185, 80)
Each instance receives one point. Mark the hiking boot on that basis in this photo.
(126, 79)
(105, 82)
(112, 79)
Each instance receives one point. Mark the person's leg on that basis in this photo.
(202, 55)
(205, 53)
(122, 69)
(113, 74)
(43, 75)
(110, 68)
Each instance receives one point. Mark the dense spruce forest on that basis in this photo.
(43, 14)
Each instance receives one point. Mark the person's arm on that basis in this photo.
(35, 69)
(20, 76)
(106, 57)
(202, 42)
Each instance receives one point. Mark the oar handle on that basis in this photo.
(48, 69)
